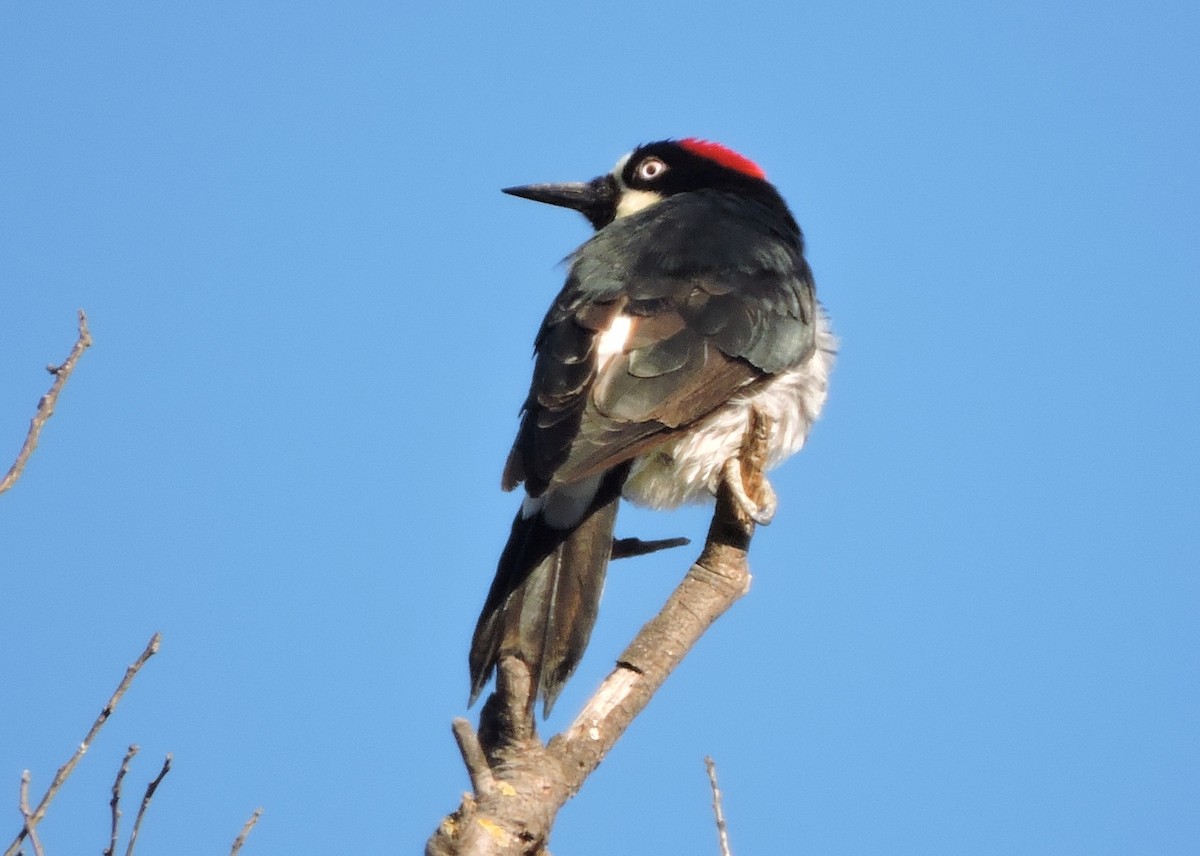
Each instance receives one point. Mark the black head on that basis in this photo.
(649, 174)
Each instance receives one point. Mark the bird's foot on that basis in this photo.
(761, 512)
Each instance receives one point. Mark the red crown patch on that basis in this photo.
(726, 157)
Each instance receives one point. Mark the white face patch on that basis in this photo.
(612, 341)
(633, 201)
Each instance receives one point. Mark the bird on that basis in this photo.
(691, 304)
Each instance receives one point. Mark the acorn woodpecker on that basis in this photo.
(691, 304)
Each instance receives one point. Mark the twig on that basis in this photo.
(46, 405)
(241, 839)
(472, 754)
(66, 769)
(30, 826)
(115, 802)
(722, 830)
(150, 789)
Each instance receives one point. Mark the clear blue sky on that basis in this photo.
(975, 623)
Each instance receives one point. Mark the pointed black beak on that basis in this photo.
(596, 199)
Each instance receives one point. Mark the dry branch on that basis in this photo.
(115, 803)
(241, 839)
(150, 789)
(27, 815)
(45, 408)
(718, 810)
(520, 783)
(35, 817)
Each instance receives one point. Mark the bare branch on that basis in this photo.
(150, 789)
(241, 839)
(45, 407)
(718, 812)
(530, 781)
(472, 754)
(115, 802)
(30, 824)
(66, 769)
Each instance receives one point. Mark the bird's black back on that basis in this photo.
(722, 298)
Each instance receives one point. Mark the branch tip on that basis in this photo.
(46, 404)
(149, 795)
(718, 812)
(473, 757)
(241, 839)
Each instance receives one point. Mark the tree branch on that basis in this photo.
(718, 811)
(241, 839)
(35, 817)
(512, 814)
(150, 789)
(30, 825)
(45, 408)
(115, 803)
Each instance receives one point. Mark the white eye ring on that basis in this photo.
(650, 169)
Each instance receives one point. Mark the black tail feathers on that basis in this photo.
(543, 602)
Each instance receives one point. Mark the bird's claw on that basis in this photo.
(761, 512)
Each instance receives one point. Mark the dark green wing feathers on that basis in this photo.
(701, 331)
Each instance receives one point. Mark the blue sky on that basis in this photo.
(974, 625)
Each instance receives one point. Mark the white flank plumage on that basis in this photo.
(687, 469)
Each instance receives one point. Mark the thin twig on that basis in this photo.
(472, 754)
(66, 769)
(30, 826)
(150, 789)
(722, 830)
(241, 839)
(45, 407)
(115, 802)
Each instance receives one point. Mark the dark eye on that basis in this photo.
(650, 169)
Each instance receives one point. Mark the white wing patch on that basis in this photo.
(613, 339)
